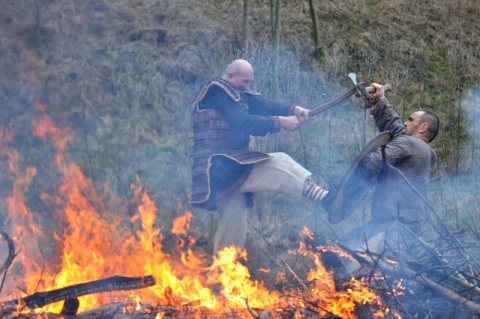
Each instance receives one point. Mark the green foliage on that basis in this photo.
(438, 66)
(320, 56)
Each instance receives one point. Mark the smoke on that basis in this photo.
(471, 106)
(454, 192)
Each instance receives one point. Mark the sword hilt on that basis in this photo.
(386, 87)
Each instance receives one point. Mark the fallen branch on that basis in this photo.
(445, 292)
(41, 299)
(405, 271)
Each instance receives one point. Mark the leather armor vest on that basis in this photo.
(213, 136)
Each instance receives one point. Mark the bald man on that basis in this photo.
(225, 172)
(398, 204)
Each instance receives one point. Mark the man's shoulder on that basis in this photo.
(410, 140)
(415, 144)
(219, 84)
(252, 92)
(414, 140)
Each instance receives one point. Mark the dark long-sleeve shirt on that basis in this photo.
(253, 114)
(223, 121)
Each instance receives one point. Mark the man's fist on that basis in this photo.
(302, 114)
(379, 93)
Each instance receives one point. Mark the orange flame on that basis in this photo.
(182, 223)
(91, 242)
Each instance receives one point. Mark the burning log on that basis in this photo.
(70, 307)
(41, 299)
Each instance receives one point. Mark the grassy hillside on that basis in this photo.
(121, 76)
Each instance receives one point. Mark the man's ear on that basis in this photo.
(423, 127)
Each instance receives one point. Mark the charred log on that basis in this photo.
(41, 299)
(70, 307)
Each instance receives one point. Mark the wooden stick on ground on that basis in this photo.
(409, 273)
(41, 299)
(445, 292)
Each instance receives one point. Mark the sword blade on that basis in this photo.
(333, 102)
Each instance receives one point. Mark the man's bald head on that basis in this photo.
(239, 73)
(238, 66)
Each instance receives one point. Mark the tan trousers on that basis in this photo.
(280, 174)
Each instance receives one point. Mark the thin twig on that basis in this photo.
(10, 257)
(290, 270)
(250, 310)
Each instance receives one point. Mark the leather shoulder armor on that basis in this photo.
(252, 92)
(224, 85)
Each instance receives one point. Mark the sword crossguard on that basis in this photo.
(362, 89)
(353, 78)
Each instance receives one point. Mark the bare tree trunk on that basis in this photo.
(272, 20)
(316, 34)
(245, 26)
(473, 146)
(457, 134)
(276, 45)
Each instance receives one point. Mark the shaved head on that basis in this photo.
(239, 74)
(433, 122)
(238, 66)
(423, 124)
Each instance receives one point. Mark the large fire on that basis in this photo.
(91, 242)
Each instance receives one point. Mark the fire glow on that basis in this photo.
(91, 242)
